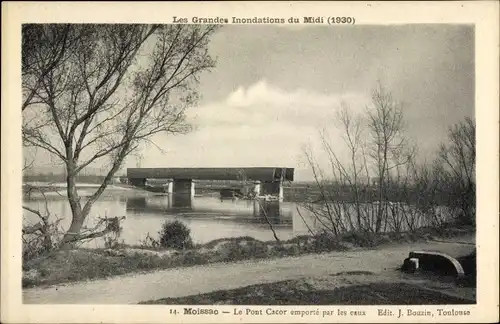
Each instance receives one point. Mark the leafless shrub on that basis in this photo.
(42, 236)
(456, 162)
(371, 191)
(46, 233)
(149, 242)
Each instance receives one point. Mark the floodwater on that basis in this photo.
(207, 217)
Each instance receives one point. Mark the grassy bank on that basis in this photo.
(83, 264)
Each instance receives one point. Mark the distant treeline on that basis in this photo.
(62, 178)
(367, 194)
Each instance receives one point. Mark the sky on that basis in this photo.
(274, 88)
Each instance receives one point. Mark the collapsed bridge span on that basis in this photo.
(267, 180)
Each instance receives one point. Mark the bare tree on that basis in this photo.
(353, 138)
(388, 146)
(458, 159)
(40, 56)
(100, 91)
(326, 210)
(407, 185)
(377, 149)
(340, 191)
(427, 182)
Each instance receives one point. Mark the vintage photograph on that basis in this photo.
(295, 162)
(200, 164)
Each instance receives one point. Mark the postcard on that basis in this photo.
(250, 162)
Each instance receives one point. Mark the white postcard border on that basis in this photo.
(483, 14)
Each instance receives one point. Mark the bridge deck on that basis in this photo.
(253, 173)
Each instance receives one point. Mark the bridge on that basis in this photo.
(181, 181)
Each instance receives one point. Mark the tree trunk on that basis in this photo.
(69, 239)
(356, 192)
(78, 217)
(378, 224)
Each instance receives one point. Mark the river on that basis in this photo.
(207, 217)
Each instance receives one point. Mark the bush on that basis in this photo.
(232, 251)
(193, 257)
(256, 250)
(282, 250)
(325, 242)
(360, 238)
(33, 249)
(175, 235)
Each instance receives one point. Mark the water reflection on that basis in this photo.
(180, 202)
(136, 203)
(249, 211)
(207, 217)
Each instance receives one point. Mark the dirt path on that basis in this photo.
(131, 289)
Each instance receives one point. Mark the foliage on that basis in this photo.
(176, 235)
(325, 242)
(251, 250)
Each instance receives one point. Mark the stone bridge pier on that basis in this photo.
(183, 187)
(272, 188)
(180, 192)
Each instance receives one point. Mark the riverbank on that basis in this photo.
(88, 264)
(346, 268)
